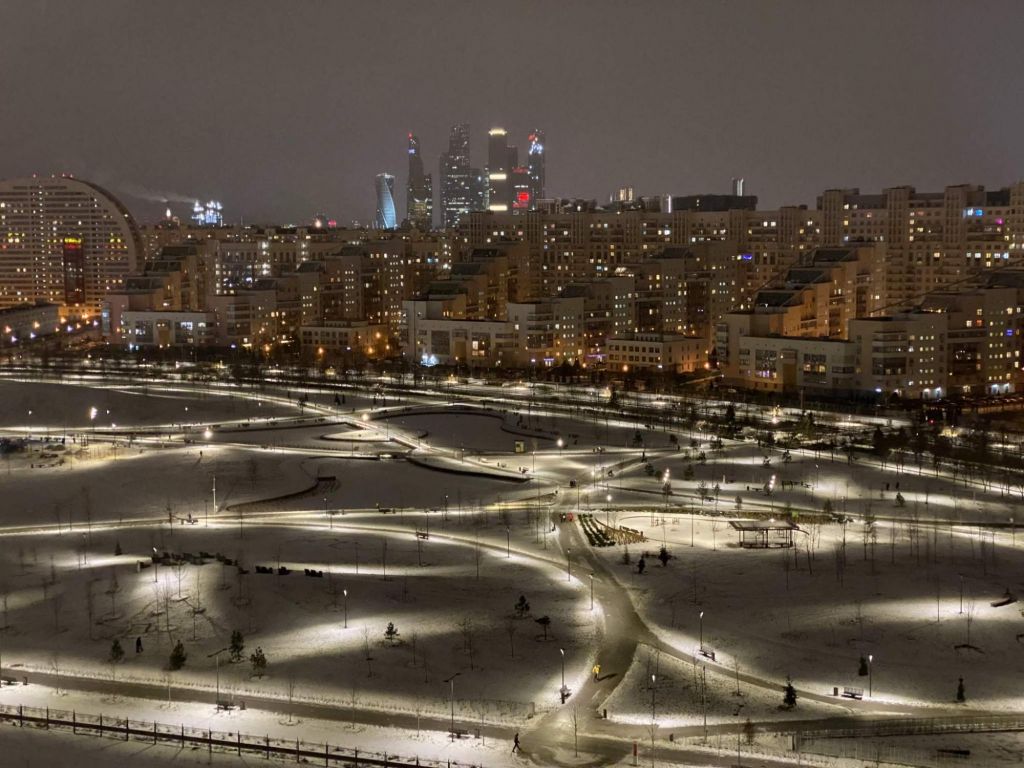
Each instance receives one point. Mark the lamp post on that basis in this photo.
(871, 658)
(701, 617)
(451, 682)
(345, 593)
(561, 444)
(508, 542)
(607, 512)
(330, 517)
(654, 722)
(216, 659)
(562, 651)
(591, 591)
(568, 565)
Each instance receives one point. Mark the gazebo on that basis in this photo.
(764, 534)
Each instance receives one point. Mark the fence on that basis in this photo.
(915, 726)
(886, 754)
(312, 753)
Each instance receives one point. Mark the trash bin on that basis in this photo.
(835, 691)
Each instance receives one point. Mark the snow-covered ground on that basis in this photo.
(889, 592)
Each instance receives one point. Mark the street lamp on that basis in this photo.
(591, 591)
(702, 631)
(654, 722)
(561, 443)
(451, 682)
(568, 565)
(508, 542)
(607, 512)
(345, 593)
(216, 658)
(870, 686)
(562, 651)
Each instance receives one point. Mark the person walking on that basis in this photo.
(138, 644)
(597, 672)
(515, 744)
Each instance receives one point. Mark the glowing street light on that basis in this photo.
(870, 659)
(562, 651)
(561, 444)
(702, 630)
(345, 593)
(451, 682)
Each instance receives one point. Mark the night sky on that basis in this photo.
(285, 109)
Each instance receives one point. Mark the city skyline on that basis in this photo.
(789, 129)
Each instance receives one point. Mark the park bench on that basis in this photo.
(1006, 599)
(264, 569)
(422, 535)
(707, 653)
(853, 693)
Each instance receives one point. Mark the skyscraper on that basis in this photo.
(458, 186)
(535, 165)
(419, 197)
(385, 218)
(500, 163)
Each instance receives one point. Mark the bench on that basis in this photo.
(853, 693)
(707, 653)
(422, 535)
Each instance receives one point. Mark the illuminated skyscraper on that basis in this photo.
(500, 162)
(535, 166)
(459, 192)
(419, 197)
(385, 218)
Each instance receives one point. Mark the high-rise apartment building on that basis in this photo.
(64, 241)
(419, 198)
(386, 217)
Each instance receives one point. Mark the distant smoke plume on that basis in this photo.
(156, 196)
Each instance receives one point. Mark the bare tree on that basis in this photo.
(366, 651)
(510, 630)
(969, 615)
(112, 589)
(291, 694)
(57, 604)
(575, 716)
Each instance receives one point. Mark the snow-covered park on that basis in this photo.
(376, 553)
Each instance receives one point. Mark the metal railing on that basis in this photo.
(125, 729)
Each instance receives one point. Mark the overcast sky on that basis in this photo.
(285, 109)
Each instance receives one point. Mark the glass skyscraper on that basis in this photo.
(458, 180)
(385, 218)
(419, 197)
(535, 165)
